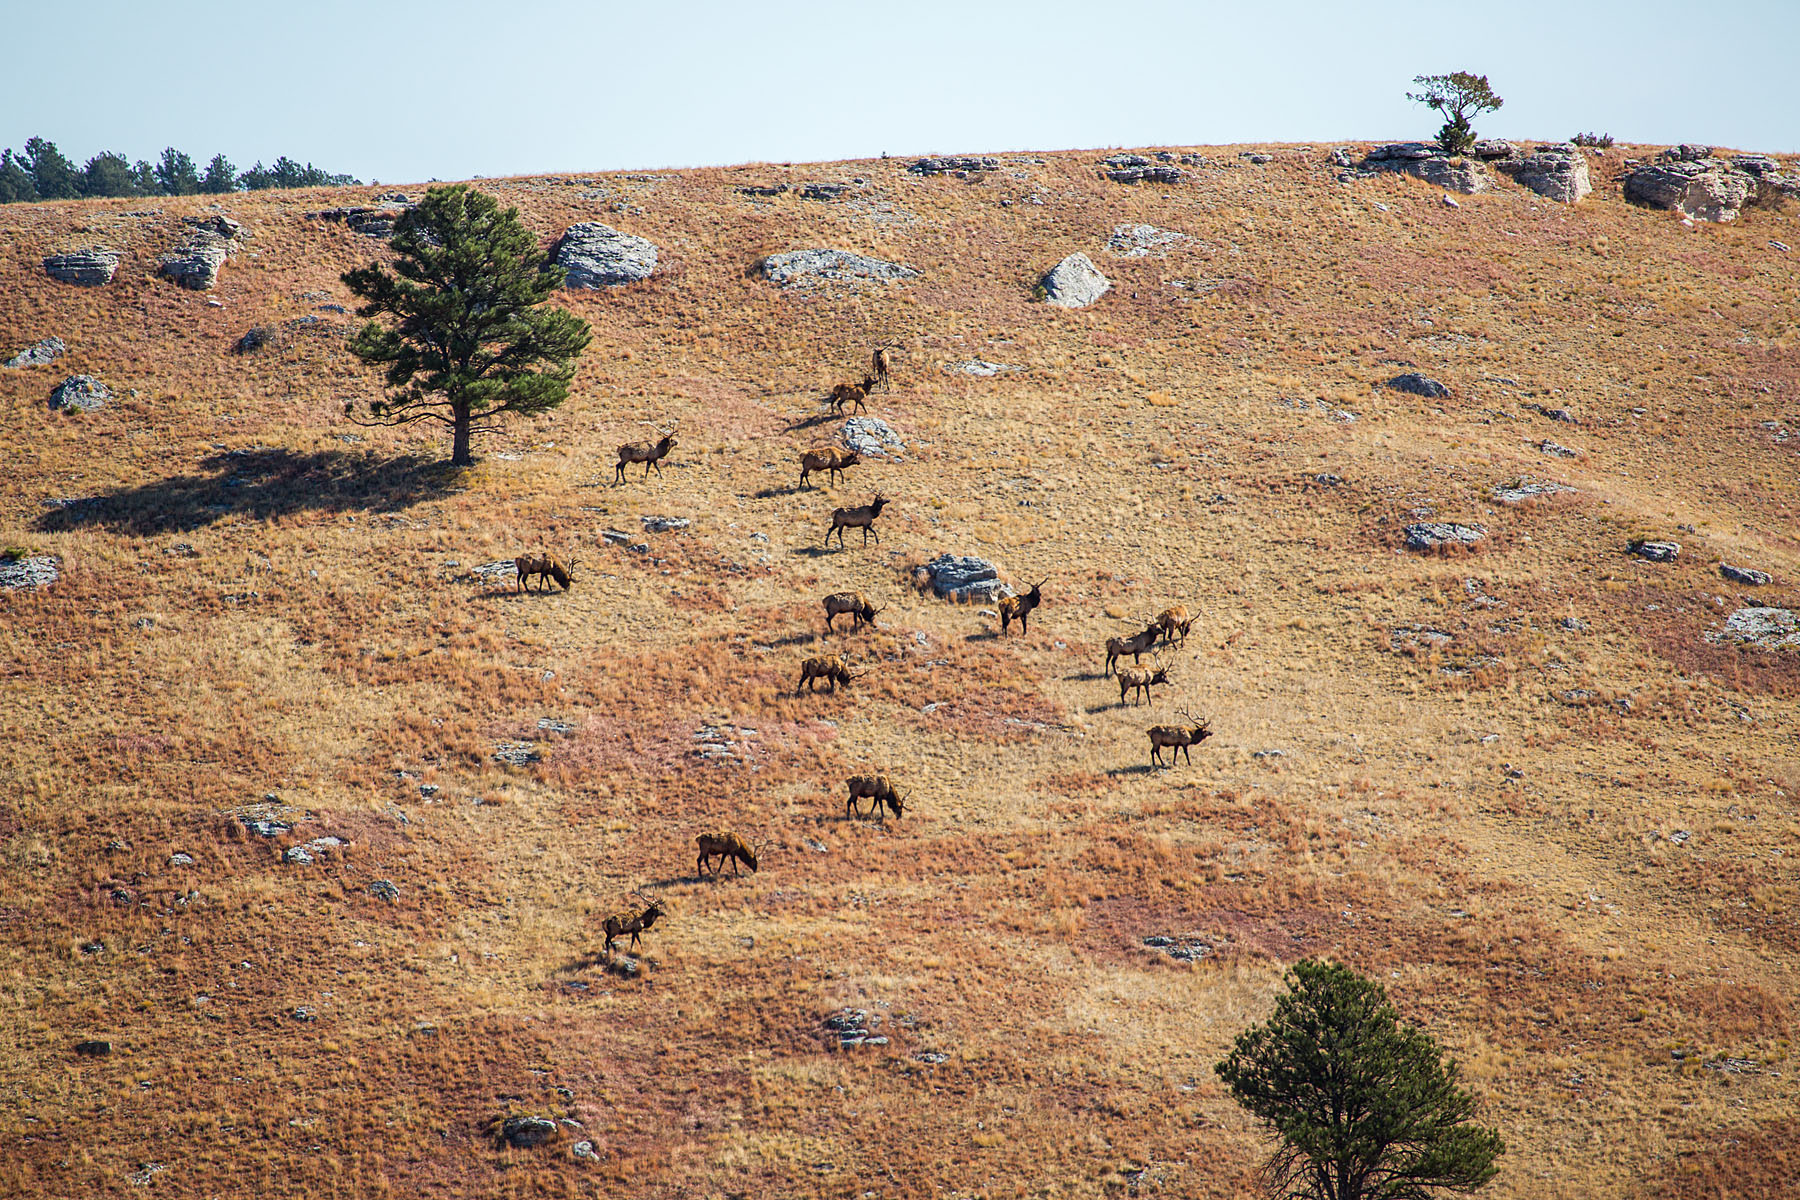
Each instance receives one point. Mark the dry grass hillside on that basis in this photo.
(1519, 785)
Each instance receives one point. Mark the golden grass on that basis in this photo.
(1492, 824)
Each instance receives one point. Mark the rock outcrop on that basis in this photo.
(962, 577)
(599, 256)
(807, 268)
(79, 393)
(1689, 180)
(1437, 535)
(1138, 241)
(44, 352)
(376, 221)
(1075, 282)
(31, 571)
(1770, 628)
(953, 166)
(1655, 551)
(1749, 576)
(195, 265)
(1427, 161)
(1418, 385)
(1558, 173)
(83, 268)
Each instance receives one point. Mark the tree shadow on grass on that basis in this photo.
(262, 484)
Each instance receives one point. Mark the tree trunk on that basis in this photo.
(459, 451)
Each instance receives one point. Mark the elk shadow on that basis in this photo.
(261, 483)
(817, 551)
(812, 422)
(795, 639)
(1087, 676)
(986, 635)
(776, 493)
(1134, 769)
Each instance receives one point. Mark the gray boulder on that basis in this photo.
(84, 268)
(1655, 551)
(1525, 491)
(808, 268)
(598, 256)
(1075, 282)
(1404, 152)
(1491, 149)
(658, 525)
(1702, 189)
(29, 571)
(1686, 152)
(526, 1132)
(872, 437)
(1137, 241)
(195, 265)
(79, 393)
(1418, 385)
(962, 577)
(1744, 575)
(218, 225)
(46, 351)
(1427, 161)
(1771, 628)
(1435, 535)
(1558, 173)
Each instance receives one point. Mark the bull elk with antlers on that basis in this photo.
(829, 459)
(855, 603)
(1136, 645)
(650, 454)
(877, 788)
(1141, 680)
(723, 845)
(834, 670)
(1178, 738)
(861, 517)
(883, 363)
(1018, 608)
(546, 567)
(633, 922)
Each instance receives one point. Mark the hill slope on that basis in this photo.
(1518, 784)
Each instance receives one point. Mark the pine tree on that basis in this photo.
(108, 174)
(15, 181)
(143, 177)
(1365, 1108)
(53, 177)
(221, 176)
(175, 173)
(1460, 97)
(470, 341)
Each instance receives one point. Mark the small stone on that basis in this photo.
(1744, 575)
(304, 1013)
(1655, 551)
(181, 858)
(297, 856)
(385, 889)
(1554, 450)
(79, 393)
(38, 354)
(525, 1133)
(254, 339)
(1418, 385)
(1574, 624)
(584, 1150)
(516, 754)
(195, 265)
(93, 1049)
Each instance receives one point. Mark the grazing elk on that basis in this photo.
(1135, 645)
(877, 788)
(829, 459)
(833, 670)
(884, 363)
(1141, 680)
(546, 567)
(634, 923)
(855, 603)
(1178, 738)
(1018, 608)
(723, 845)
(1174, 623)
(861, 517)
(650, 454)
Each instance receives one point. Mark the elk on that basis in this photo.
(843, 394)
(1134, 645)
(1141, 680)
(827, 458)
(833, 671)
(650, 454)
(861, 517)
(1174, 621)
(1018, 608)
(884, 363)
(877, 788)
(546, 567)
(723, 845)
(855, 603)
(1178, 738)
(634, 923)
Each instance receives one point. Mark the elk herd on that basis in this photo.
(1170, 627)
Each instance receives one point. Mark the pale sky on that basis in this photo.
(403, 92)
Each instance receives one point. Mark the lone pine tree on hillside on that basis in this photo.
(1460, 97)
(470, 342)
(1365, 1108)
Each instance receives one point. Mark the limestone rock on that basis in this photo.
(872, 437)
(31, 571)
(962, 577)
(661, 525)
(1655, 551)
(957, 166)
(376, 221)
(195, 265)
(804, 268)
(1433, 535)
(46, 351)
(525, 1133)
(1744, 575)
(79, 393)
(1427, 161)
(84, 268)
(978, 367)
(598, 256)
(1686, 152)
(1525, 491)
(1137, 241)
(1418, 385)
(1771, 628)
(1075, 282)
(1704, 189)
(1557, 173)
(1490, 149)
(385, 889)
(1156, 173)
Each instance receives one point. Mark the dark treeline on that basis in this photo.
(43, 173)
